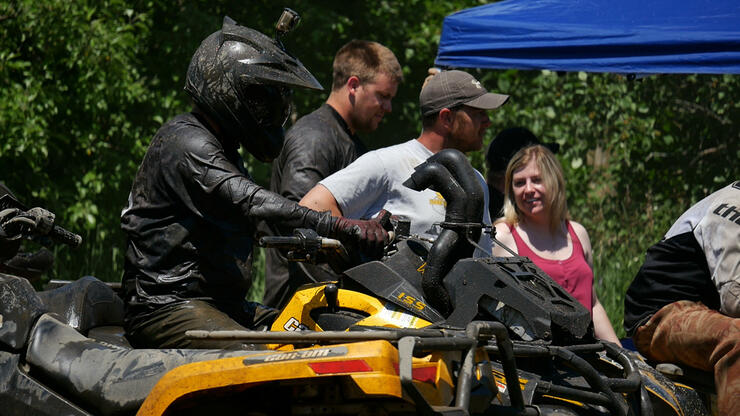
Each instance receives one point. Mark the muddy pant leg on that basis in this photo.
(166, 327)
(258, 316)
(726, 360)
(690, 333)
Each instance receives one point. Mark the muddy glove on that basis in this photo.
(370, 235)
(9, 246)
(10, 239)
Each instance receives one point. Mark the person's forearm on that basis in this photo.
(321, 199)
(258, 204)
(602, 325)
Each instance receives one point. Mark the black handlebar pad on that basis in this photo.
(281, 242)
(60, 235)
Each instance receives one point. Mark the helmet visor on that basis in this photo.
(269, 105)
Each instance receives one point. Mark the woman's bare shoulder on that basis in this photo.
(502, 229)
(503, 234)
(580, 231)
(582, 235)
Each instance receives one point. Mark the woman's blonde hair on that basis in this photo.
(552, 177)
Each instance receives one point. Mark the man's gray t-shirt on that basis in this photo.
(375, 181)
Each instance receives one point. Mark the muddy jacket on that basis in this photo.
(318, 145)
(190, 220)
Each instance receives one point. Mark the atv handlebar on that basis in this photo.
(17, 221)
(307, 240)
(294, 243)
(304, 245)
(64, 236)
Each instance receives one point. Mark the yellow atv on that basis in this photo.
(482, 367)
(462, 335)
(428, 329)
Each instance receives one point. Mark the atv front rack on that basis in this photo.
(410, 342)
(493, 338)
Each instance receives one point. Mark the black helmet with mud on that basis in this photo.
(242, 80)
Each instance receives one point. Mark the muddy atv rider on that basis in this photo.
(192, 210)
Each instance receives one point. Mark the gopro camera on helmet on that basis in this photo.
(287, 22)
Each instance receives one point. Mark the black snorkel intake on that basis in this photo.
(449, 173)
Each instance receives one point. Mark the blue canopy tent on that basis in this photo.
(621, 36)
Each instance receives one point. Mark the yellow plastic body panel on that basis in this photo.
(293, 366)
(296, 314)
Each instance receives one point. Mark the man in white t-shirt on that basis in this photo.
(454, 109)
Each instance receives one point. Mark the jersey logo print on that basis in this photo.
(728, 212)
(438, 200)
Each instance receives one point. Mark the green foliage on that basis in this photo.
(84, 85)
(73, 110)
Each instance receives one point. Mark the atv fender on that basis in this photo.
(19, 308)
(105, 379)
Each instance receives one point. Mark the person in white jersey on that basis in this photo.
(683, 306)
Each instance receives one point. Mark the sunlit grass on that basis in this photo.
(612, 276)
(257, 291)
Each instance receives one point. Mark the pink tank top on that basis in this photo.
(573, 273)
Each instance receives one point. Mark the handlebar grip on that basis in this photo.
(280, 242)
(61, 235)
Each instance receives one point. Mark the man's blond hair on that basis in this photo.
(365, 60)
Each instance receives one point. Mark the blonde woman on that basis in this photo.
(536, 224)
